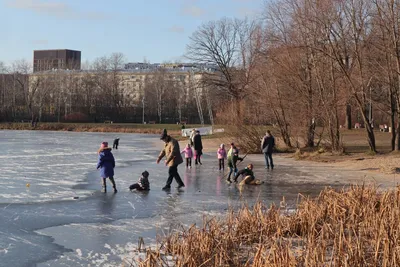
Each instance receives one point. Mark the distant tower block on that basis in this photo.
(63, 59)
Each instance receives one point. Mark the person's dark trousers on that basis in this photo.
(173, 173)
(188, 162)
(198, 160)
(135, 186)
(113, 184)
(268, 160)
(115, 146)
(232, 170)
(221, 164)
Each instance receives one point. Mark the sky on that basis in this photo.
(153, 30)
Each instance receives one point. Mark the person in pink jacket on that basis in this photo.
(221, 153)
(188, 155)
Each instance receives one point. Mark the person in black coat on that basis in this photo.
(267, 146)
(198, 147)
(116, 143)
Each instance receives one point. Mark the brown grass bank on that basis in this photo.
(97, 127)
(359, 226)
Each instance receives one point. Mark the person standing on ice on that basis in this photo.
(116, 143)
(233, 157)
(106, 164)
(267, 146)
(198, 147)
(173, 158)
(188, 155)
(221, 154)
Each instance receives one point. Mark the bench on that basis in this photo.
(152, 122)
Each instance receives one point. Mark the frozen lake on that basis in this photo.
(62, 219)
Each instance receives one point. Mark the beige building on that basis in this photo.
(129, 83)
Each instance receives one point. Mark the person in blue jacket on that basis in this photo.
(106, 164)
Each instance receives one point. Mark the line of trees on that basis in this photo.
(104, 92)
(308, 63)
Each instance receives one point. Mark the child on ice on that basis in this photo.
(221, 153)
(106, 164)
(188, 155)
(143, 184)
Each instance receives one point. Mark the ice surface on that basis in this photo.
(62, 219)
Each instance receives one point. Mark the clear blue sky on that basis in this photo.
(157, 30)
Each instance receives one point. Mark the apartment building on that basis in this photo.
(130, 83)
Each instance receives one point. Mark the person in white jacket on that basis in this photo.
(191, 138)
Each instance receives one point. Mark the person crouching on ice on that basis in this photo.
(248, 175)
(143, 184)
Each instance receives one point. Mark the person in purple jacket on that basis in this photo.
(106, 164)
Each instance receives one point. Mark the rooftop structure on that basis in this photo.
(44, 60)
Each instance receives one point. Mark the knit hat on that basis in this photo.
(104, 145)
(250, 166)
(222, 146)
(164, 134)
(145, 174)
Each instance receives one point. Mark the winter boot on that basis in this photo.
(113, 184)
(104, 188)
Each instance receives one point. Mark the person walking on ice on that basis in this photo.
(233, 157)
(198, 148)
(106, 164)
(173, 158)
(188, 155)
(116, 143)
(267, 146)
(221, 154)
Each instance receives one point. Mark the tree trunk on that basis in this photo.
(283, 128)
(392, 124)
(370, 131)
(348, 117)
(398, 132)
(311, 133)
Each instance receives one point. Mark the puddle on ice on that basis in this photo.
(62, 219)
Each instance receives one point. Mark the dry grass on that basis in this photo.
(355, 227)
(96, 127)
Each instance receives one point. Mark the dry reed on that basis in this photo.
(358, 226)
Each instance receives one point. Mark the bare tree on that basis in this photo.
(109, 81)
(232, 46)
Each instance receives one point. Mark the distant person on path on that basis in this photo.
(191, 137)
(267, 146)
(247, 174)
(188, 155)
(221, 154)
(173, 158)
(116, 143)
(183, 126)
(233, 157)
(106, 164)
(198, 147)
(143, 184)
